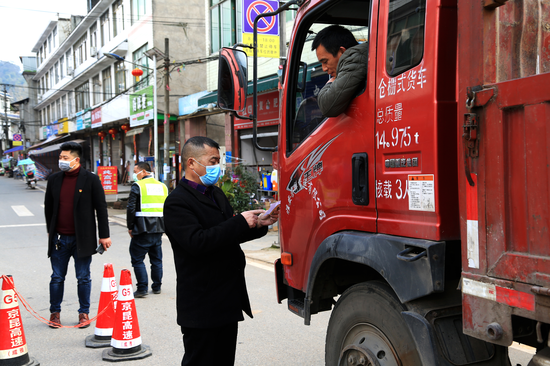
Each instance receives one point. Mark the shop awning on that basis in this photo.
(50, 148)
(13, 149)
(49, 140)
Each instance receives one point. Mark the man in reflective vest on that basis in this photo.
(145, 222)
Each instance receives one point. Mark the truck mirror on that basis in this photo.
(232, 79)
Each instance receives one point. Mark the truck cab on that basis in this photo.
(378, 203)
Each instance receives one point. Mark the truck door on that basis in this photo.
(327, 164)
(415, 100)
(504, 154)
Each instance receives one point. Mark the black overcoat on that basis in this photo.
(89, 200)
(206, 238)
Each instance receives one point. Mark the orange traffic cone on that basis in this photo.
(126, 338)
(105, 320)
(13, 346)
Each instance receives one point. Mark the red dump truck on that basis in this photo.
(420, 216)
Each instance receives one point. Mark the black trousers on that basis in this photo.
(209, 346)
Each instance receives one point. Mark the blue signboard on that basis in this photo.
(80, 121)
(267, 25)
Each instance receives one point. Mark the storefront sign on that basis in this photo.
(96, 118)
(108, 176)
(141, 107)
(268, 111)
(63, 126)
(88, 119)
(80, 121)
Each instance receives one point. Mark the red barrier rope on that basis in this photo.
(37, 316)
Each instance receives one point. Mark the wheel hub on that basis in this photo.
(366, 345)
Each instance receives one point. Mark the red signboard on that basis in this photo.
(96, 117)
(108, 176)
(268, 111)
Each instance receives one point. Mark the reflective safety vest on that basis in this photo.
(152, 194)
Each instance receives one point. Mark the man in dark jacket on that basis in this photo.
(346, 62)
(206, 238)
(145, 222)
(73, 198)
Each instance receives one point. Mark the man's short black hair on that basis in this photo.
(144, 166)
(334, 37)
(194, 146)
(73, 147)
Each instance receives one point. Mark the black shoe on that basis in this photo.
(156, 292)
(140, 294)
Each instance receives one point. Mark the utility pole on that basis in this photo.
(166, 113)
(6, 121)
(22, 115)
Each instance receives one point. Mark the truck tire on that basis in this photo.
(366, 328)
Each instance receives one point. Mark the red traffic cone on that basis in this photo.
(106, 320)
(126, 338)
(13, 346)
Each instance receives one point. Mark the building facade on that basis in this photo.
(225, 25)
(86, 91)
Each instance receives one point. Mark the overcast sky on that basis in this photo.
(22, 23)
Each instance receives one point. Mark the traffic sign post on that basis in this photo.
(268, 27)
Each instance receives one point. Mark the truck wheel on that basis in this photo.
(366, 328)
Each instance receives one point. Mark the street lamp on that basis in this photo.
(155, 126)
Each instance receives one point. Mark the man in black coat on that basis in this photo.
(73, 198)
(206, 238)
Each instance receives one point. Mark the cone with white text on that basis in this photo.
(126, 339)
(13, 346)
(106, 311)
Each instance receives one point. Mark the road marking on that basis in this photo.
(22, 225)
(22, 211)
(256, 263)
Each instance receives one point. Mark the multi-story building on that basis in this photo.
(95, 99)
(225, 25)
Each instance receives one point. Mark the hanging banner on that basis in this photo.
(108, 176)
(141, 107)
(268, 27)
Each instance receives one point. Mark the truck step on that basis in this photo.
(297, 307)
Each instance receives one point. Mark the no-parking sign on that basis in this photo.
(268, 27)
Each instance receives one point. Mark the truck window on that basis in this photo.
(405, 46)
(304, 115)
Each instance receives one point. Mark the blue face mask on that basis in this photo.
(65, 165)
(212, 174)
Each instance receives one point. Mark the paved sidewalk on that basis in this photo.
(263, 250)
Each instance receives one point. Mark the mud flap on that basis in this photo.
(425, 342)
(444, 344)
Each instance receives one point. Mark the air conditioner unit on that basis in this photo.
(70, 71)
(93, 51)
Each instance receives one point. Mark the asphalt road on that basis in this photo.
(273, 337)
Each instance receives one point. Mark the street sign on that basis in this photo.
(17, 139)
(268, 27)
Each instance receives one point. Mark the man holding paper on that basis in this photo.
(206, 238)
